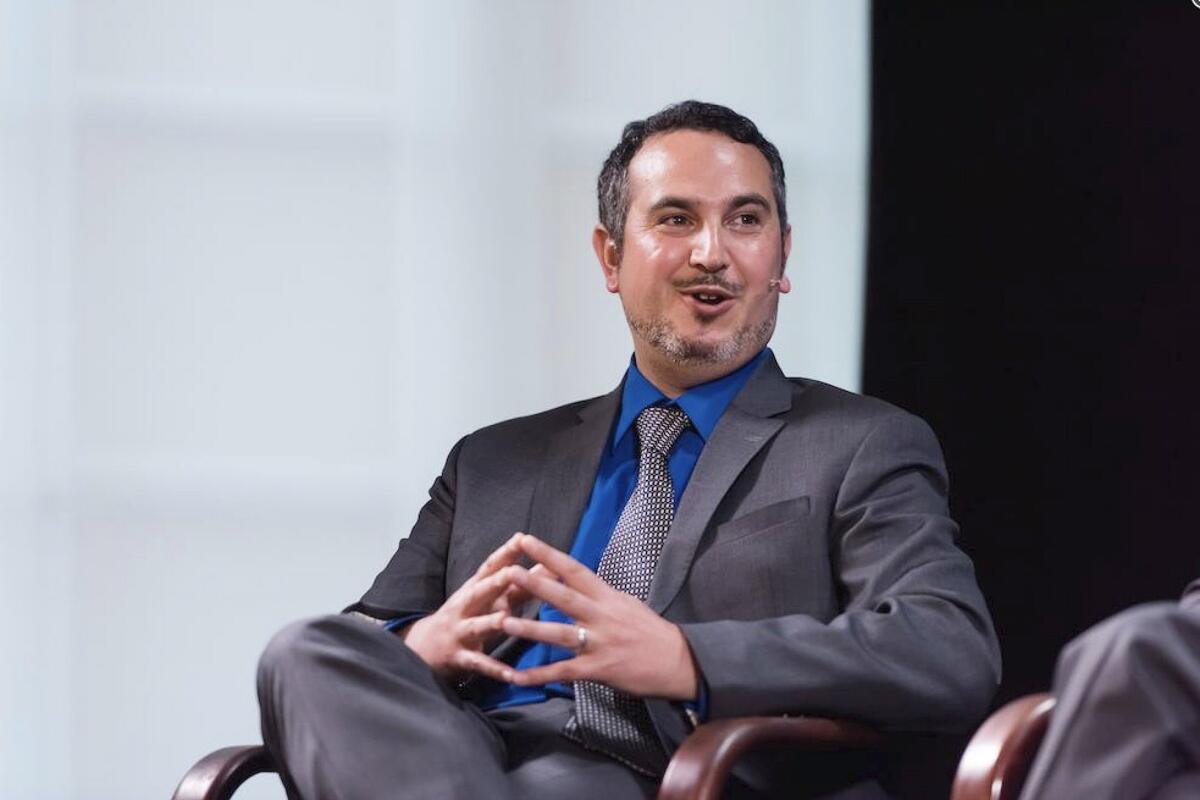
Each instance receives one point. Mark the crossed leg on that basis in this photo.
(351, 713)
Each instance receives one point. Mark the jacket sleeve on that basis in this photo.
(913, 648)
(414, 581)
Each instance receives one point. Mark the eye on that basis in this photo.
(747, 218)
(674, 220)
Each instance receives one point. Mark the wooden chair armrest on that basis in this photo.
(997, 759)
(698, 771)
(701, 765)
(221, 772)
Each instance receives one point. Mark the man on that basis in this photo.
(1127, 719)
(709, 540)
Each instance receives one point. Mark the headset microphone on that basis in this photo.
(774, 283)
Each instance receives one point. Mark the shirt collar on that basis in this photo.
(704, 404)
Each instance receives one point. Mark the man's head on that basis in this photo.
(693, 235)
(612, 188)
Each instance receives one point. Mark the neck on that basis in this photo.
(673, 378)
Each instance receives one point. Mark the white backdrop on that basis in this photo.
(263, 261)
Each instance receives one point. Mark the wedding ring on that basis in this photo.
(581, 634)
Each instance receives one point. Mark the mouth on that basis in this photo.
(708, 300)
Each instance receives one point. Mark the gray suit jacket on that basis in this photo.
(1127, 719)
(811, 563)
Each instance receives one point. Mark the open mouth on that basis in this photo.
(708, 299)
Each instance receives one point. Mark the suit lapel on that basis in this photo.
(563, 488)
(745, 427)
(566, 480)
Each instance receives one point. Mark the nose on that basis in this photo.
(708, 249)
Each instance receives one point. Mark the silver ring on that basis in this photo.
(581, 634)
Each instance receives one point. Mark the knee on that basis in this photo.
(292, 648)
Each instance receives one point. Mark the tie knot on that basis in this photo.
(659, 427)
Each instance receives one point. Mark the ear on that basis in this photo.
(785, 283)
(606, 252)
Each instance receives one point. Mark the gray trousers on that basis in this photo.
(350, 713)
(1127, 721)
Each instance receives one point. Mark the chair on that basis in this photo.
(698, 770)
(998, 757)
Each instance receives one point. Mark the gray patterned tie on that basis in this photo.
(605, 720)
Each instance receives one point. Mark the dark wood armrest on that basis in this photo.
(997, 759)
(698, 770)
(701, 765)
(221, 772)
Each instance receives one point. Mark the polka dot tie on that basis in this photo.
(605, 720)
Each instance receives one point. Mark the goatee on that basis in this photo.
(659, 334)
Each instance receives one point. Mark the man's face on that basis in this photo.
(702, 244)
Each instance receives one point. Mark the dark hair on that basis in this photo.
(612, 188)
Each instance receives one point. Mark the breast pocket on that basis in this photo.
(762, 564)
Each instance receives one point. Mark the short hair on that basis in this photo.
(612, 187)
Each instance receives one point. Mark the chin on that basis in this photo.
(702, 349)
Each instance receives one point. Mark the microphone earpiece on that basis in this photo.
(774, 283)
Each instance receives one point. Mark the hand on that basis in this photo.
(629, 647)
(452, 639)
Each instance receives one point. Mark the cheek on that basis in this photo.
(662, 252)
(651, 264)
(760, 259)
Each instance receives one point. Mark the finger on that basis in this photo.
(555, 633)
(485, 592)
(502, 556)
(482, 664)
(571, 669)
(505, 601)
(572, 573)
(476, 629)
(516, 595)
(559, 595)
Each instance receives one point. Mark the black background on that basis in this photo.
(1033, 292)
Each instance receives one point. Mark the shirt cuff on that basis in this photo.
(395, 623)
(699, 706)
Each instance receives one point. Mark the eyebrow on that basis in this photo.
(752, 199)
(674, 201)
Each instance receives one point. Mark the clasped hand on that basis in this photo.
(628, 646)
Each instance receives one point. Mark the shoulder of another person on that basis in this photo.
(1191, 595)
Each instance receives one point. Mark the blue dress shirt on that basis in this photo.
(616, 478)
